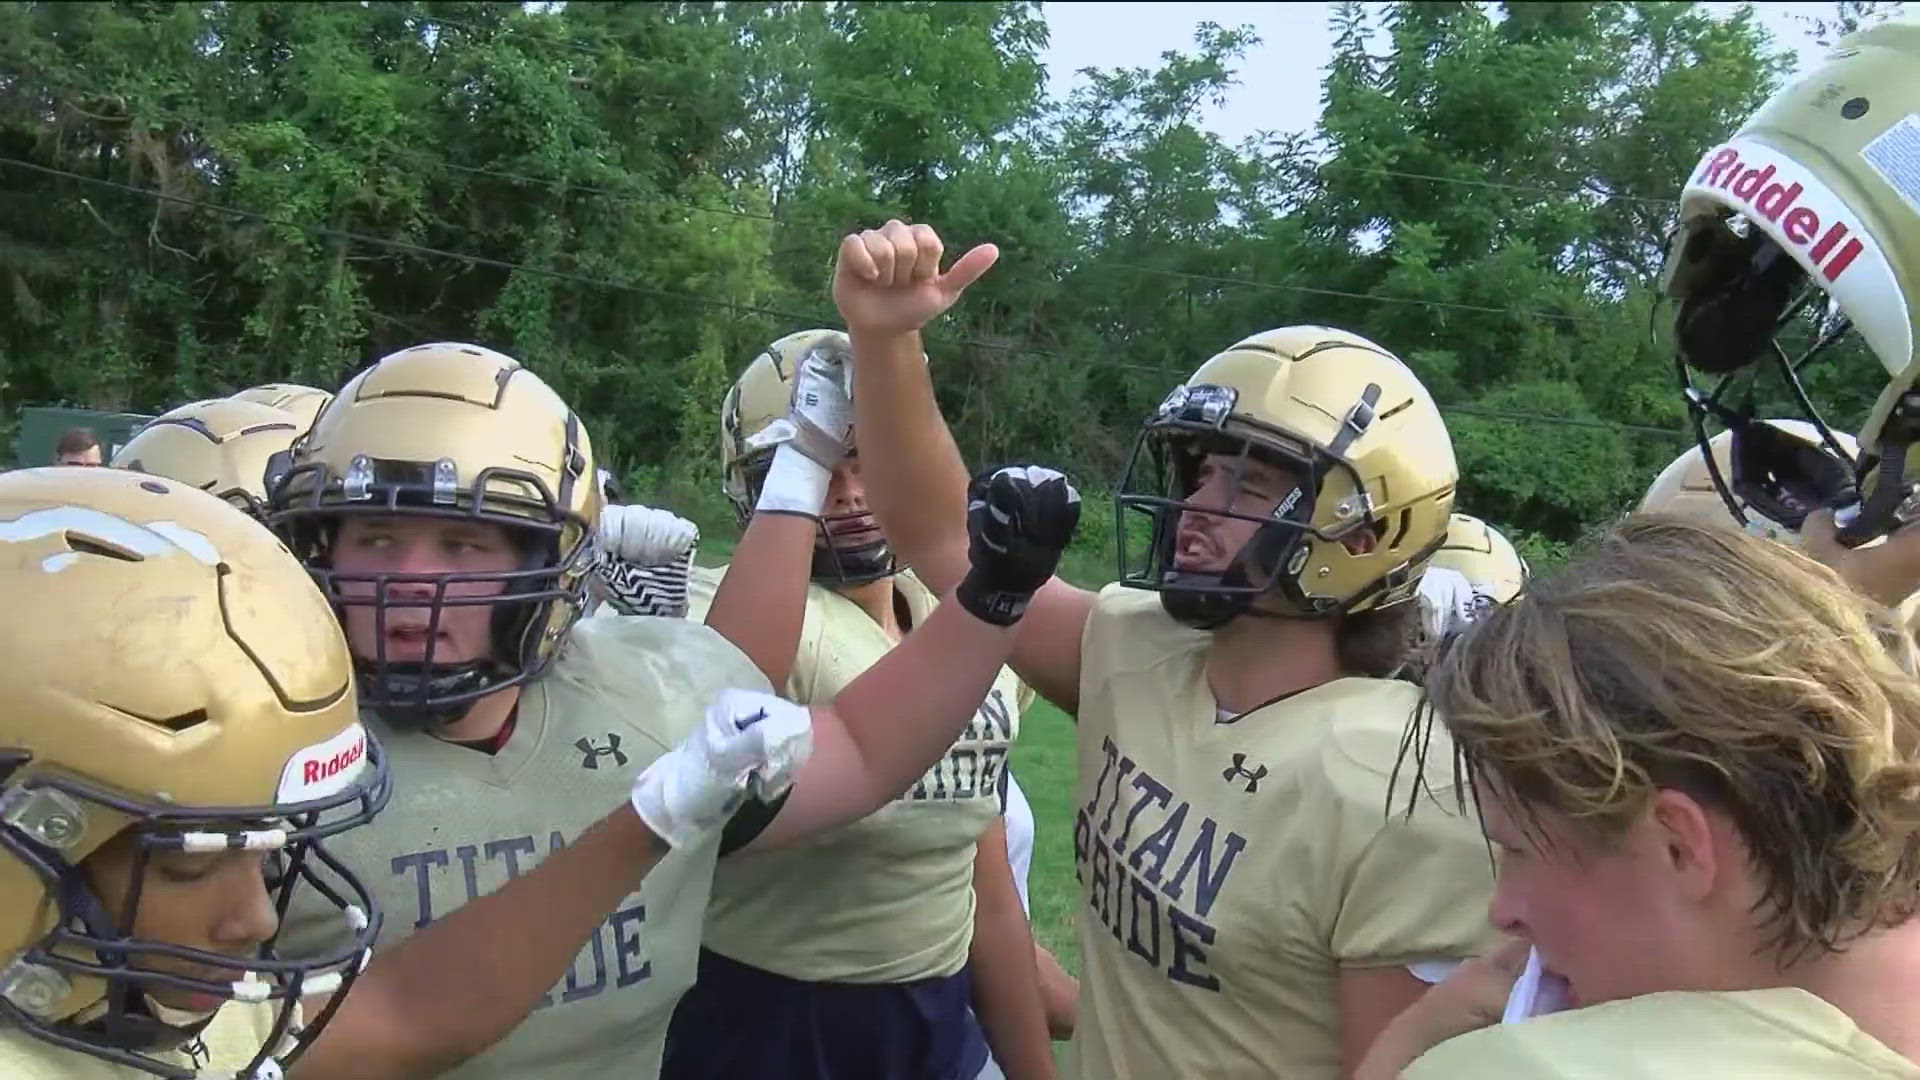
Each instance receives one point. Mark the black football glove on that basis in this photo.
(1019, 519)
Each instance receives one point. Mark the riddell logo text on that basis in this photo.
(1828, 243)
(312, 772)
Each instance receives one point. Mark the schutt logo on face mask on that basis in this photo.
(1796, 206)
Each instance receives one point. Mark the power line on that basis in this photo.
(1568, 421)
(694, 299)
(916, 107)
(585, 47)
(1342, 166)
(1464, 410)
(407, 246)
(825, 228)
(1376, 297)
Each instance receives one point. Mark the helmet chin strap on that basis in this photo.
(144, 1024)
(409, 681)
(834, 567)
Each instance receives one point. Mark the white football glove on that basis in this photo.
(749, 743)
(645, 535)
(1447, 600)
(813, 438)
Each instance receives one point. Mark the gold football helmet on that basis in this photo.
(1477, 552)
(188, 685)
(222, 445)
(1813, 199)
(304, 402)
(759, 397)
(1813, 476)
(1357, 431)
(451, 431)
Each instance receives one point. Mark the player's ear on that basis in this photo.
(1361, 541)
(1684, 841)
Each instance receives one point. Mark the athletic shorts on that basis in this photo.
(740, 1022)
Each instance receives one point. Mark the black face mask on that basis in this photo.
(1783, 477)
(529, 606)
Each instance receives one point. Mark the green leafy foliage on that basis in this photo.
(634, 198)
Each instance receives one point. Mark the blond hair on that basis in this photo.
(1677, 655)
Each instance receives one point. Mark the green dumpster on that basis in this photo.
(41, 427)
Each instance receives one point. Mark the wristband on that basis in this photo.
(795, 484)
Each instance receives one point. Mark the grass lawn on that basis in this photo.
(1043, 763)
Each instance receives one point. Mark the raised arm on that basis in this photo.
(461, 983)
(888, 727)
(888, 285)
(761, 605)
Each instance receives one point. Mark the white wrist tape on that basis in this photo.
(795, 483)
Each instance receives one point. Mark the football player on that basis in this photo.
(149, 768)
(1250, 907)
(444, 500)
(221, 445)
(868, 975)
(1475, 569)
(185, 710)
(1698, 764)
(1813, 202)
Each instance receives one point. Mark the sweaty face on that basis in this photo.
(419, 551)
(845, 517)
(1600, 913)
(1206, 543)
(214, 901)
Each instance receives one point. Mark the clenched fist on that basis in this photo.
(646, 535)
(749, 743)
(888, 280)
(1019, 519)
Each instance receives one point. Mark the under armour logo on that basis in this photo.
(1239, 768)
(591, 754)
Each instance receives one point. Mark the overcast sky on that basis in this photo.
(1280, 78)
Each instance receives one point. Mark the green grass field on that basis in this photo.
(1043, 763)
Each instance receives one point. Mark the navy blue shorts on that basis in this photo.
(740, 1022)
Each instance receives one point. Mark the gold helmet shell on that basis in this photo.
(304, 402)
(761, 395)
(1487, 560)
(1357, 429)
(188, 683)
(1815, 194)
(221, 445)
(455, 432)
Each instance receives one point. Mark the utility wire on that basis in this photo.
(734, 307)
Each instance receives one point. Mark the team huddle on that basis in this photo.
(373, 735)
